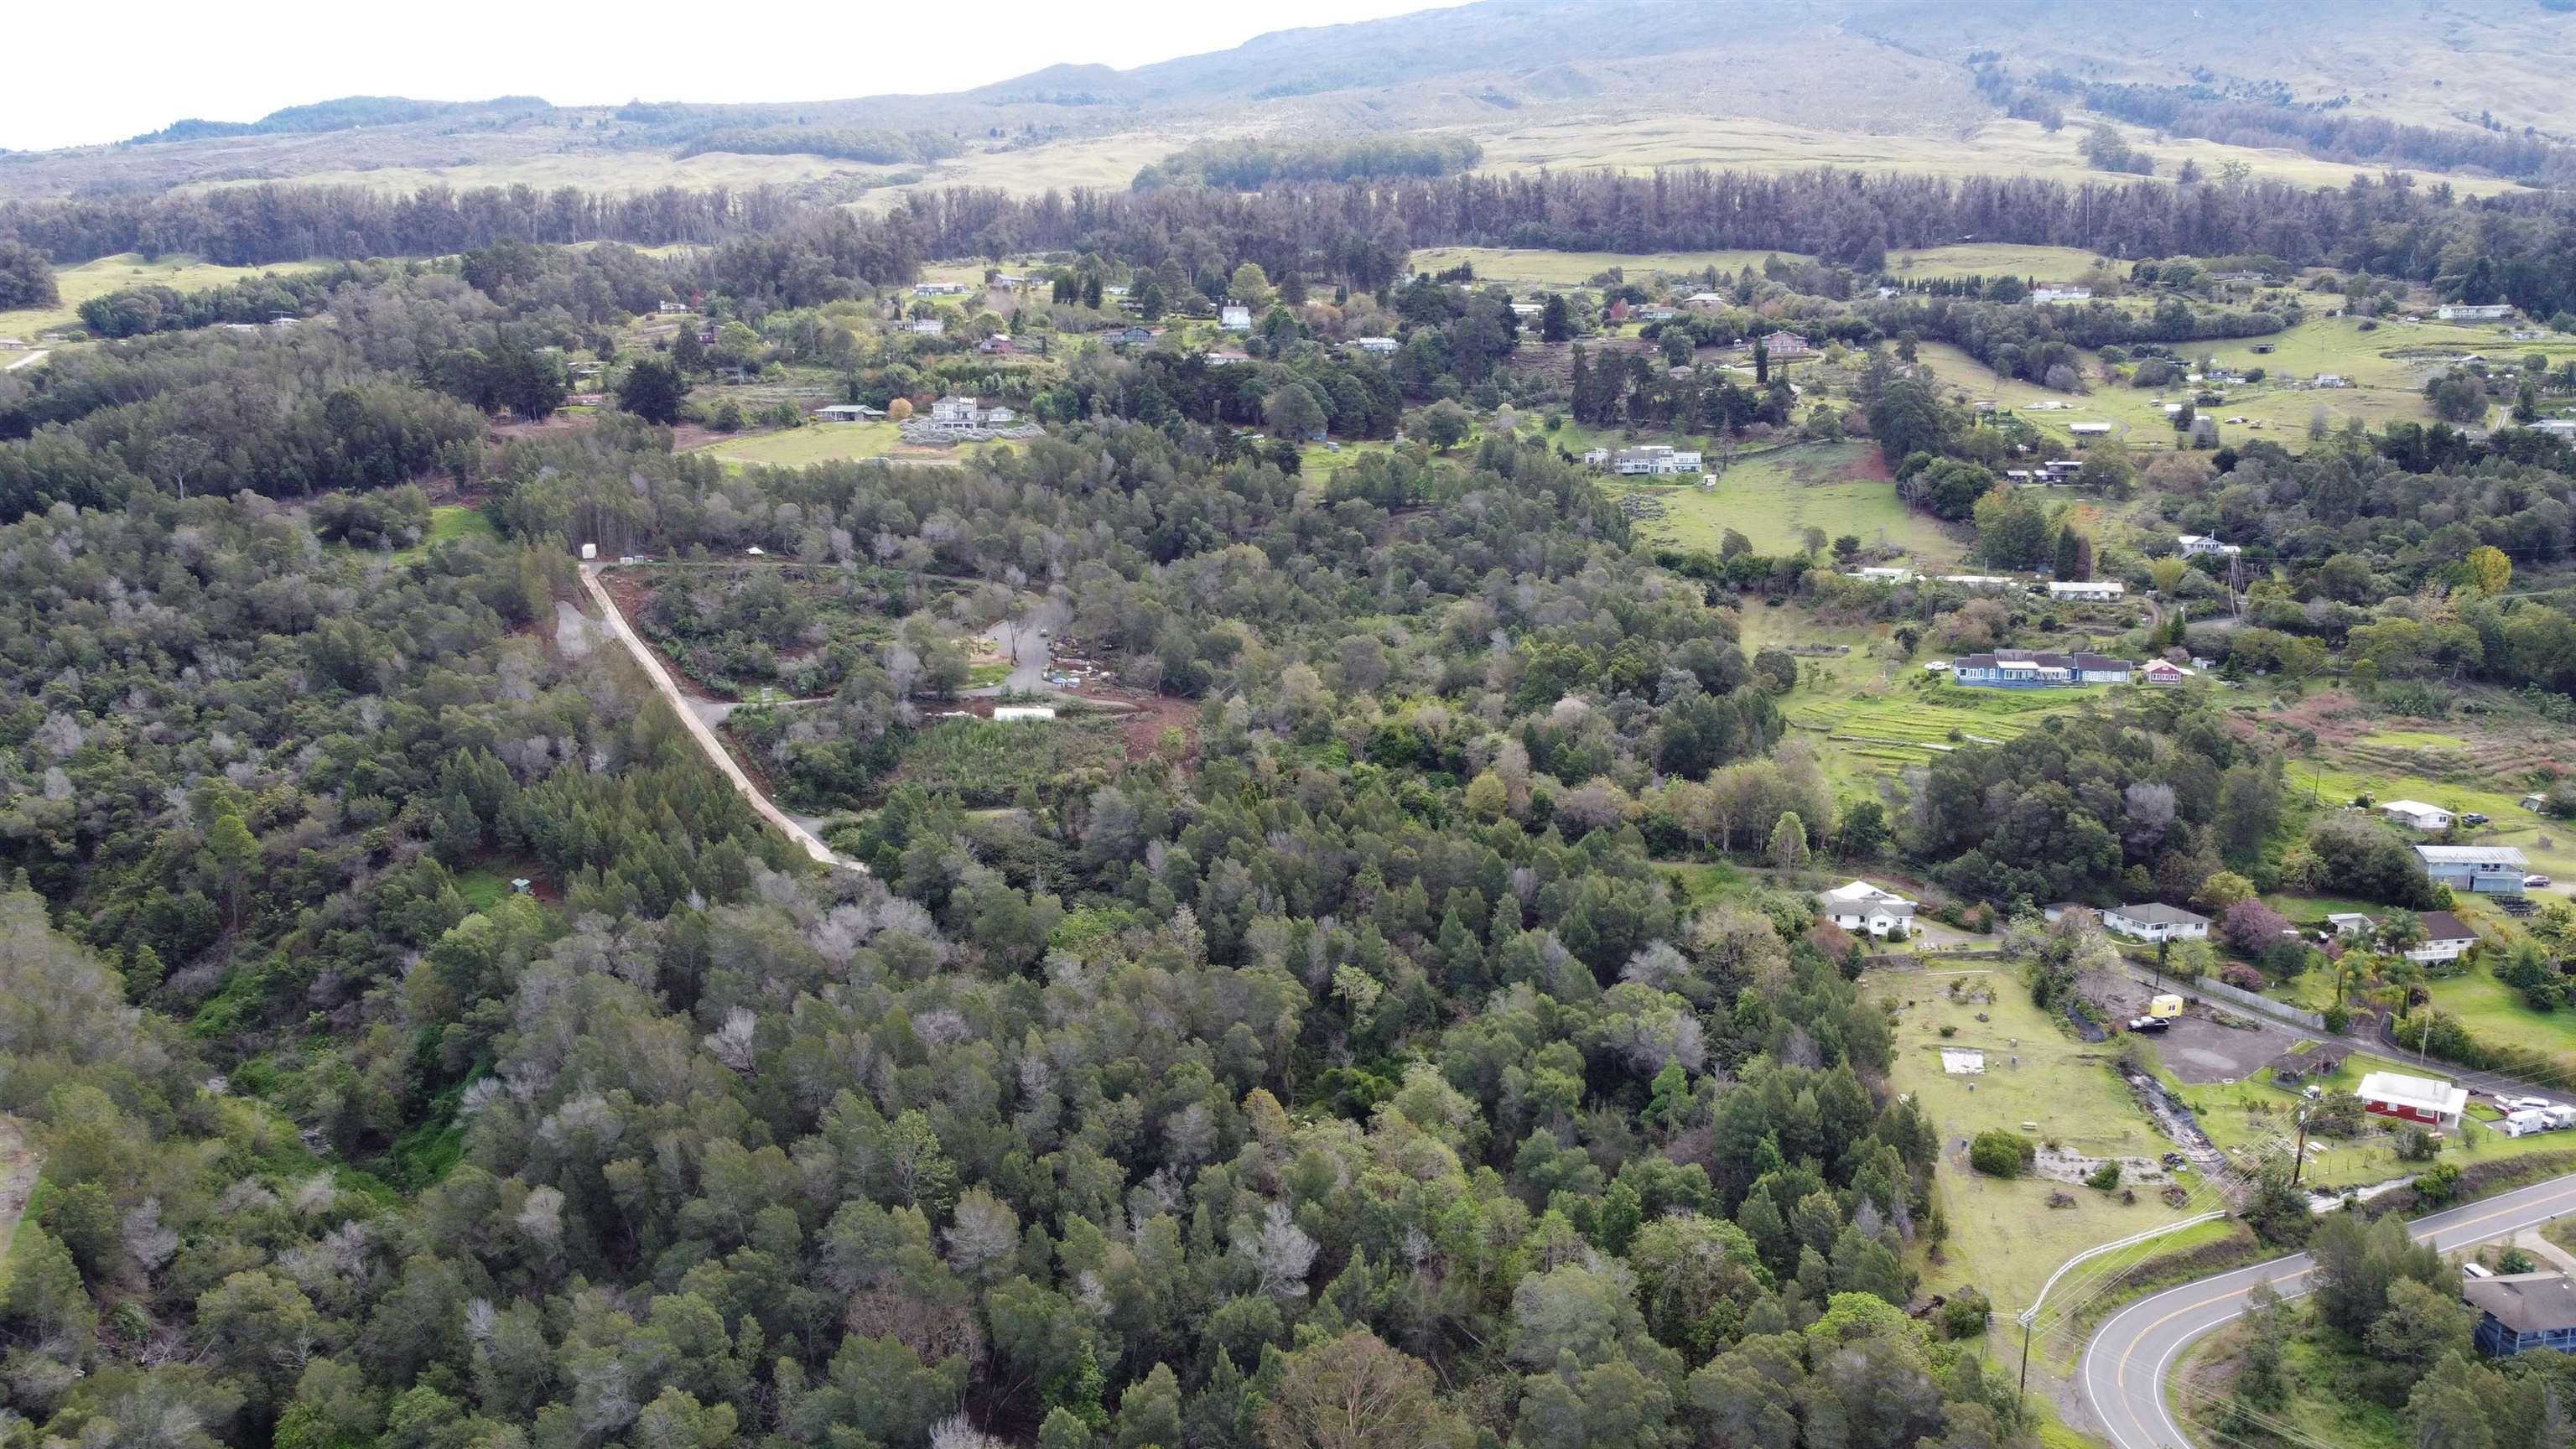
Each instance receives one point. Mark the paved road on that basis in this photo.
(2125, 1368)
(795, 830)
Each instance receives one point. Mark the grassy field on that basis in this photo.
(2042, 264)
(2000, 147)
(822, 443)
(2387, 366)
(108, 274)
(1838, 487)
(2493, 1011)
(1909, 725)
(2004, 1238)
(447, 523)
(1538, 268)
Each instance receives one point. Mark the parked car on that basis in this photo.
(2534, 882)
(2473, 818)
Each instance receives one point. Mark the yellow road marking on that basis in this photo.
(2120, 1366)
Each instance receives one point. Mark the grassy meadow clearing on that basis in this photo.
(822, 443)
(2005, 1239)
(1996, 147)
(2386, 366)
(109, 274)
(1772, 497)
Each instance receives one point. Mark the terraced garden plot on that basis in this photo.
(1912, 728)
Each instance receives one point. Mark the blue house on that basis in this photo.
(2040, 669)
(2490, 870)
(2519, 1312)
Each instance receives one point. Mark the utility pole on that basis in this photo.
(2299, 1157)
(2025, 1352)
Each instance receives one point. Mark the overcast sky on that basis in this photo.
(77, 80)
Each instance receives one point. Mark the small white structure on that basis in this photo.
(755, 551)
(2416, 814)
(1234, 318)
(1961, 1062)
(2157, 922)
(2089, 430)
(848, 413)
(589, 551)
(1023, 712)
(2473, 312)
(2350, 923)
(927, 327)
(1884, 573)
(670, 309)
(2424, 1100)
(2097, 590)
(2045, 296)
(2196, 544)
(954, 409)
(1381, 346)
(2162, 671)
(1860, 906)
(939, 289)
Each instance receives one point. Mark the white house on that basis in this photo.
(2155, 922)
(848, 413)
(2350, 923)
(2044, 296)
(1655, 460)
(2413, 1099)
(958, 410)
(1860, 906)
(2332, 379)
(2467, 312)
(2196, 544)
(2162, 671)
(2089, 430)
(1382, 346)
(1978, 581)
(1884, 573)
(939, 289)
(1234, 318)
(668, 309)
(2417, 814)
(2099, 590)
(1596, 457)
(2446, 938)
(927, 327)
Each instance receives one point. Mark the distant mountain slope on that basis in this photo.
(1805, 70)
(344, 114)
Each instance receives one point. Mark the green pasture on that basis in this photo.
(110, 274)
(821, 443)
(1536, 267)
(2004, 1237)
(1772, 498)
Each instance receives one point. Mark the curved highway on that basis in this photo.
(2125, 1368)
